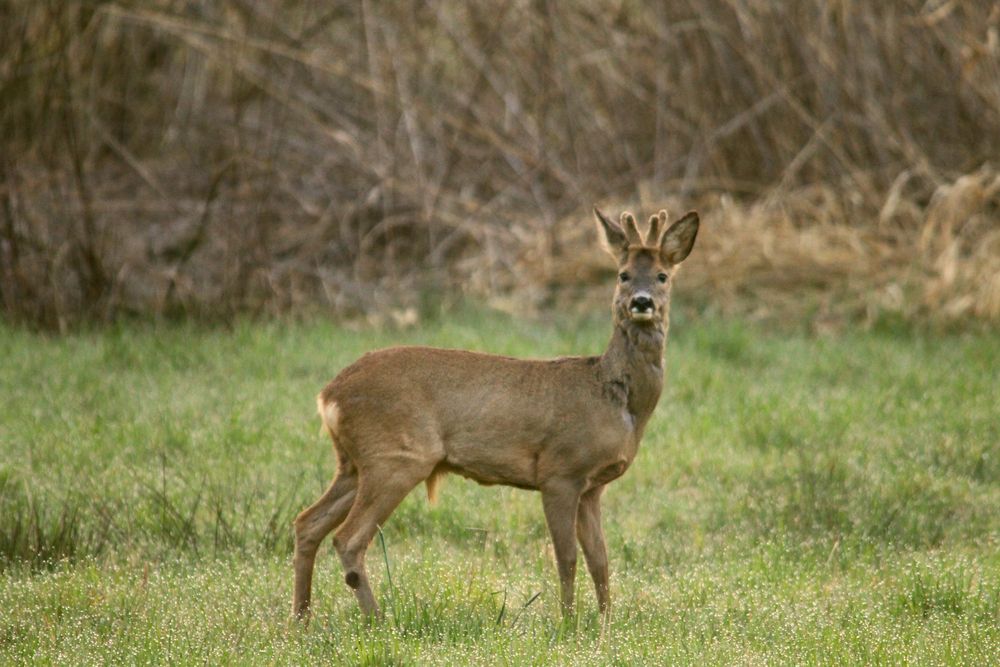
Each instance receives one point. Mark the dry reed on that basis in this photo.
(214, 158)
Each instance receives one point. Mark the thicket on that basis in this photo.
(219, 157)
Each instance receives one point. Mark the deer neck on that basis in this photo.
(633, 364)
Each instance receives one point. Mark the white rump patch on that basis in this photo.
(329, 413)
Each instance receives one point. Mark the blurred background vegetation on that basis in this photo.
(213, 158)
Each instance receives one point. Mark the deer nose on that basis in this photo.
(641, 303)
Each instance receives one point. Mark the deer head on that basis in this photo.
(645, 265)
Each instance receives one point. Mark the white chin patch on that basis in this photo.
(641, 315)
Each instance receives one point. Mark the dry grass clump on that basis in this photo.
(214, 158)
(939, 260)
(818, 252)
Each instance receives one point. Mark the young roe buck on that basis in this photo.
(565, 427)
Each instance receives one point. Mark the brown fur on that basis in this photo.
(565, 427)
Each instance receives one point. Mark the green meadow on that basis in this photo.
(797, 500)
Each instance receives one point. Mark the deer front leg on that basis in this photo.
(591, 536)
(560, 502)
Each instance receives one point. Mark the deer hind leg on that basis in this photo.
(380, 491)
(591, 536)
(314, 524)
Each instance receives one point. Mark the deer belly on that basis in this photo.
(512, 466)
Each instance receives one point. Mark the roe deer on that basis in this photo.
(565, 427)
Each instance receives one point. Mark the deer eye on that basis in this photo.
(624, 276)
(662, 277)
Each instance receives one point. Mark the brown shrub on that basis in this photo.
(214, 158)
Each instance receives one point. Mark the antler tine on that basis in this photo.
(630, 228)
(653, 233)
(657, 224)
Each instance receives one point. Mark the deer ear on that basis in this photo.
(679, 239)
(612, 236)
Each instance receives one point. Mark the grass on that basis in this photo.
(796, 500)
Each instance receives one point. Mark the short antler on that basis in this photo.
(657, 223)
(631, 230)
